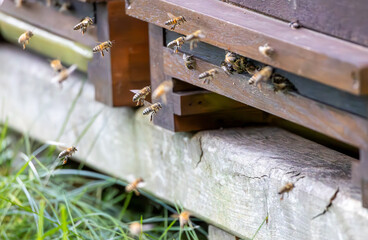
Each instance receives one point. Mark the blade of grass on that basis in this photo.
(259, 228)
(167, 229)
(126, 204)
(40, 221)
(63, 221)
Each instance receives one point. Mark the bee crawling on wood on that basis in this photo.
(208, 75)
(281, 83)
(67, 153)
(176, 44)
(266, 50)
(162, 89)
(63, 75)
(184, 218)
(194, 38)
(83, 25)
(140, 95)
(24, 38)
(134, 185)
(295, 24)
(263, 75)
(153, 109)
(286, 189)
(189, 61)
(56, 65)
(230, 57)
(102, 46)
(174, 20)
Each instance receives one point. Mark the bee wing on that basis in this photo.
(56, 79)
(57, 144)
(147, 227)
(135, 91)
(171, 15)
(130, 178)
(71, 69)
(141, 184)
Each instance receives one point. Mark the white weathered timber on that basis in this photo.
(229, 178)
(215, 233)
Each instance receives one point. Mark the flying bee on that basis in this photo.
(141, 95)
(263, 75)
(184, 218)
(83, 25)
(67, 153)
(189, 61)
(162, 89)
(133, 186)
(176, 44)
(24, 38)
(295, 24)
(266, 50)
(103, 46)
(208, 75)
(56, 65)
(174, 20)
(281, 83)
(286, 189)
(194, 38)
(64, 74)
(136, 228)
(153, 109)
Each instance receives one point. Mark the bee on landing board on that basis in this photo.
(189, 61)
(174, 20)
(263, 75)
(286, 189)
(208, 75)
(184, 218)
(67, 153)
(194, 38)
(102, 46)
(56, 65)
(83, 25)
(281, 83)
(24, 38)
(230, 57)
(63, 75)
(134, 185)
(140, 95)
(176, 44)
(295, 25)
(266, 50)
(153, 109)
(162, 89)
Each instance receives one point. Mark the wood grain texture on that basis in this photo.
(306, 87)
(51, 20)
(322, 118)
(213, 174)
(215, 233)
(304, 52)
(126, 67)
(343, 18)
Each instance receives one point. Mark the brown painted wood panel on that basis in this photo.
(343, 126)
(344, 19)
(51, 20)
(304, 52)
(126, 67)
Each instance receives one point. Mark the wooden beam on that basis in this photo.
(343, 126)
(304, 52)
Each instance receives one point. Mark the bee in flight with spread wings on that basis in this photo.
(174, 20)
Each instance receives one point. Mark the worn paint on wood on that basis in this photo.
(304, 52)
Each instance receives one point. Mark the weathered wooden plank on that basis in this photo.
(126, 67)
(215, 233)
(306, 87)
(51, 20)
(213, 173)
(304, 52)
(322, 118)
(343, 18)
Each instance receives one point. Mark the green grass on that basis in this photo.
(72, 203)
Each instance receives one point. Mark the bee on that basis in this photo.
(295, 24)
(194, 38)
(281, 83)
(136, 228)
(66, 154)
(24, 38)
(230, 57)
(162, 89)
(286, 189)
(189, 61)
(83, 25)
(263, 75)
(133, 186)
(227, 67)
(174, 20)
(176, 44)
(64, 74)
(208, 75)
(266, 50)
(184, 218)
(141, 95)
(250, 68)
(56, 65)
(153, 109)
(103, 46)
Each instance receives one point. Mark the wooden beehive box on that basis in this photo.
(330, 74)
